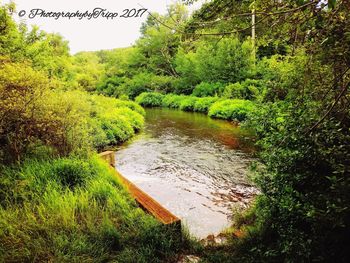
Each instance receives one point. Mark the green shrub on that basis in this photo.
(133, 118)
(72, 173)
(172, 101)
(187, 104)
(231, 109)
(240, 91)
(131, 105)
(150, 99)
(203, 104)
(106, 120)
(27, 116)
(205, 89)
(117, 127)
(146, 82)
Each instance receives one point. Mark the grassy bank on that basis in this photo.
(75, 210)
(227, 109)
(106, 121)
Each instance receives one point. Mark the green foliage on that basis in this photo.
(205, 89)
(281, 75)
(43, 218)
(72, 173)
(228, 61)
(304, 187)
(33, 116)
(231, 109)
(241, 91)
(185, 66)
(145, 82)
(108, 121)
(87, 71)
(203, 104)
(11, 40)
(150, 99)
(188, 103)
(158, 43)
(25, 117)
(172, 101)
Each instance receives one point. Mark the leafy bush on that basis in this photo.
(305, 186)
(135, 119)
(129, 104)
(231, 109)
(104, 120)
(172, 101)
(241, 91)
(205, 89)
(72, 172)
(150, 99)
(26, 115)
(146, 82)
(187, 104)
(67, 121)
(203, 104)
(281, 75)
(116, 127)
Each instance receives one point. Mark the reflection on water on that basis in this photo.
(193, 165)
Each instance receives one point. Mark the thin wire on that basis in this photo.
(267, 14)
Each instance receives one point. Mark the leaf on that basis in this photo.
(331, 3)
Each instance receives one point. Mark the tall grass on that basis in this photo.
(71, 210)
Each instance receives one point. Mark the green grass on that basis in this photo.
(73, 210)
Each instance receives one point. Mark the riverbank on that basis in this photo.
(70, 210)
(220, 108)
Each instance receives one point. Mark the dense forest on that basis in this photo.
(288, 82)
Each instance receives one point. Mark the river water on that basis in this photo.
(193, 165)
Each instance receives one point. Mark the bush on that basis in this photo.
(241, 91)
(305, 186)
(146, 82)
(203, 104)
(205, 89)
(106, 121)
(28, 115)
(188, 103)
(150, 99)
(72, 172)
(172, 101)
(68, 122)
(231, 109)
(117, 127)
(129, 104)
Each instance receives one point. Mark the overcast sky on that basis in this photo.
(94, 34)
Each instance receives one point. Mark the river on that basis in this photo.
(193, 165)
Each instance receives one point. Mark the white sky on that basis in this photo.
(94, 34)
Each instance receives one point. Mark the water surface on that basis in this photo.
(193, 165)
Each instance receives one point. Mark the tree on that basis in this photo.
(159, 40)
(24, 119)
